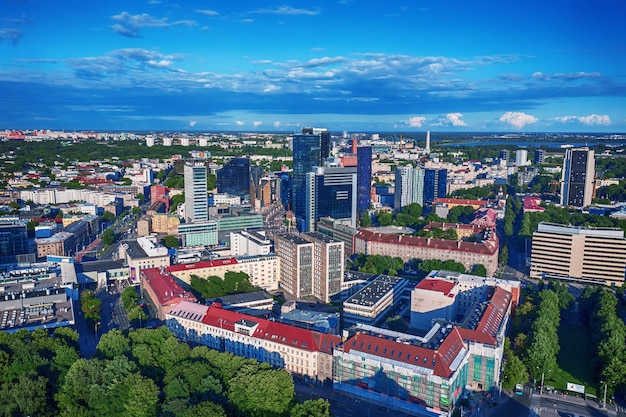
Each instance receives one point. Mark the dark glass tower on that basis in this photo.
(364, 177)
(234, 178)
(307, 153)
(330, 192)
(435, 184)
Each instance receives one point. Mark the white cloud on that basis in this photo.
(592, 119)
(129, 25)
(277, 123)
(207, 12)
(452, 119)
(517, 119)
(192, 123)
(240, 123)
(257, 123)
(287, 10)
(416, 121)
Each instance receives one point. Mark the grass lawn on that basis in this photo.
(574, 359)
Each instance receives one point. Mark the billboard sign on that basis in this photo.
(576, 388)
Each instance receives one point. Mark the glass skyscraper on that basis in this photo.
(330, 192)
(578, 177)
(435, 184)
(234, 178)
(364, 178)
(307, 154)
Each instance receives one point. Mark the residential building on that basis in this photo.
(483, 252)
(264, 271)
(165, 223)
(521, 157)
(409, 187)
(196, 206)
(328, 265)
(591, 255)
(296, 264)
(540, 156)
(163, 290)
(301, 352)
(578, 177)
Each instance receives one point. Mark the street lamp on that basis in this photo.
(605, 387)
(543, 374)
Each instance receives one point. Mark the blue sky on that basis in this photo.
(413, 65)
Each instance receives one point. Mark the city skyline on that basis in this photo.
(345, 65)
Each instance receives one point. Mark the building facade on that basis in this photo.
(409, 187)
(307, 154)
(578, 177)
(592, 255)
(234, 178)
(299, 351)
(328, 265)
(296, 264)
(330, 192)
(196, 206)
(435, 184)
(364, 178)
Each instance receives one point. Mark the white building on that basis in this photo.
(196, 205)
(250, 242)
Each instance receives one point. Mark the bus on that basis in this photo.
(519, 389)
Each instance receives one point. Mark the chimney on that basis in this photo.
(354, 142)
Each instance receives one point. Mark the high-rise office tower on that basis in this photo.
(234, 178)
(435, 184)
(578, 177)
(330, 192)
(307, 154)
(409, 187)
(196, 206)
(364, 178)
(504, 155)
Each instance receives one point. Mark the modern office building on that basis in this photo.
(338, 230)
(328, 265)
(196, 206)
(199, 233)
(591, 255)
(330, 192)
(364, 178)
(307, 154)
(578, 177)
(296, 264)
(234, 178)
(14, 247)
(252, 242)
(409, 187)
(370, 304)
(435, 184)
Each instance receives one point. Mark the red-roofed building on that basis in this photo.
(531, 204)
(405, 247)
(453, 202)
(485, 218)
(298, 351)
(433, 299)
(264, 271)
(163, 289)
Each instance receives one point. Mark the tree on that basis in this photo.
(90, 305)
(366, 219)
(171, 242)
(113, 344)
(136, 210)
(136, 313)
(264, 393)
(311, 408)
(108, 217)
(129, 297)
(176, 200)
(140, 197)
(211, 181)
(479, 270)
(384, 218)
(107, 237)
(514, 372)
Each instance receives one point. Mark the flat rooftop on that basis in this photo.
(374, 291)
